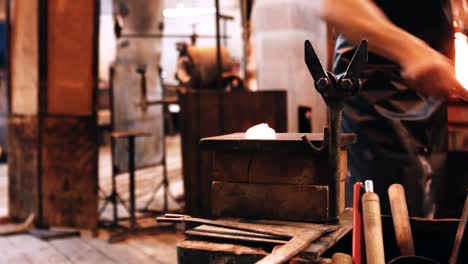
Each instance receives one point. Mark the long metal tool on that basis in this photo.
(178, 218)
(297, 240)
(460, 232)
(335, 90)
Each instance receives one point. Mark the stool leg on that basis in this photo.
(114, 187)
(114, 200)
(165, 186)
(131, 171)
(164, 164)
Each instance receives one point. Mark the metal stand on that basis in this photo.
(133, 228)
(114, 198)
(164, 184)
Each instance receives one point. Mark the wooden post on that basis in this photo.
(52, 118)
(219, 61)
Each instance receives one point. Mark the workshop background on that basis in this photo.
(116, 112)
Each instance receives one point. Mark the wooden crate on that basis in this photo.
(280, 179)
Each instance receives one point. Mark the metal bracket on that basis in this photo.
(317, 149)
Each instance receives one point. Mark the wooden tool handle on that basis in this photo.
(340, 258)
(404, 237)
(373, 229)
(459, 236)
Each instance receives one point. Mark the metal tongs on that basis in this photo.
(335, 90)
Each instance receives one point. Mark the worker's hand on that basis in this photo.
(432, 74)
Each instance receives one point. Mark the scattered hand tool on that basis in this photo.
(296, 242)
(401, 223)
(335, 90)
(178, 218)
(460, 232)
(372, 226)
(13, 229)
(292, 248)
(340, 258)
(357, 244)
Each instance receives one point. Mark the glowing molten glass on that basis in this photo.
(461, 58)
(261, 131)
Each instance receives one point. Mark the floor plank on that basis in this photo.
(120, 252)
(10, 254)
(78, 251)
(37, 251)
(159, 248)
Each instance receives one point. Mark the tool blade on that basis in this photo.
(313, 63)
(358, 62)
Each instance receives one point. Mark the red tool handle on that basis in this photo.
(357, 247)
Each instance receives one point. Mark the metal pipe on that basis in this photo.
(42, 20)
(131, 171)
(8, 42)
(218, 49)
(225, 31)
(334, 156)
(245, 35)
(159, 35)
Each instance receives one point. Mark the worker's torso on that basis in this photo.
(384, 95)
(395, 125)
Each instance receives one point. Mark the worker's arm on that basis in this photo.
(422, 67)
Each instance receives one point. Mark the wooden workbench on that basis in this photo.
(212, 113)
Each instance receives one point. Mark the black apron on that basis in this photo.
(402, 136)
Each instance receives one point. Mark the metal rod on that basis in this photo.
(131, 171)
(246, 227)
(459, 236)
(224, 32)
(143, 89)
(159, 35)
(334, 156)
(245, 35)
(42, 21)
(163, 143)
(9, 58)
(114, 186)
(218, 49)
(112, 146)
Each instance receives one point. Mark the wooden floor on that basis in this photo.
(158, 248)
